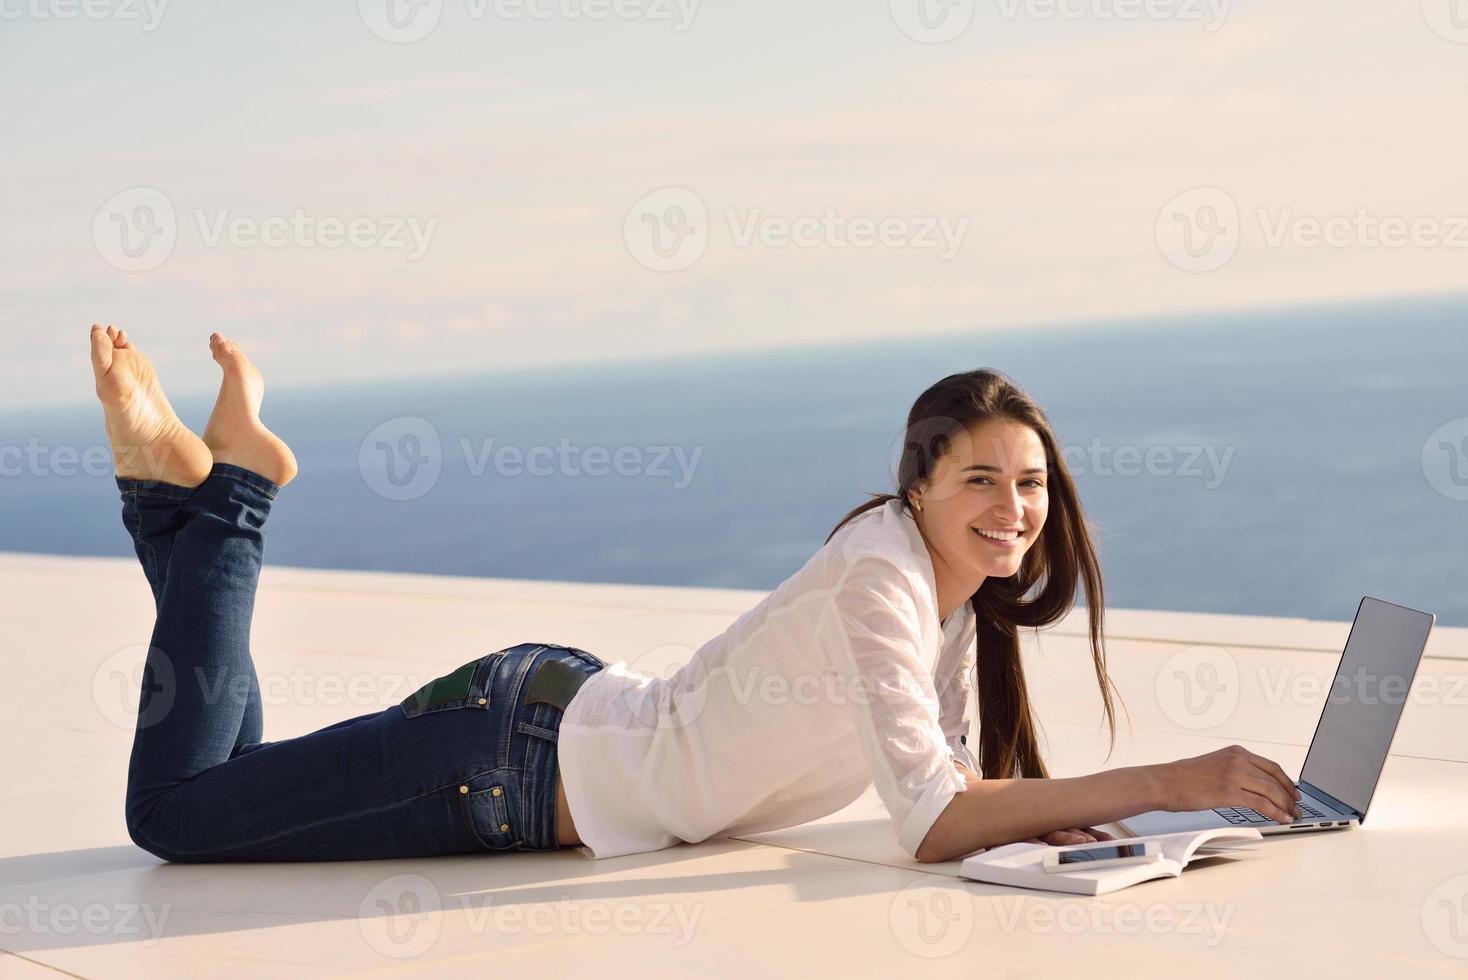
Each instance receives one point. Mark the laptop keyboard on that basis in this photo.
(1244, 815)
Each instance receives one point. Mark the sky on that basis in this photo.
(386, 188)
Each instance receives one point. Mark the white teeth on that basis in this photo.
(999, 535)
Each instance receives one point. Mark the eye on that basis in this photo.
(976, 479)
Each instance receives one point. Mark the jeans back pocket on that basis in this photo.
(466, 687)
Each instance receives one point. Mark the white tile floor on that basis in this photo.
(834, 896)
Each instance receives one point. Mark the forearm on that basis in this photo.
(990, 812)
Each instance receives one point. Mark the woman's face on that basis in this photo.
(993, 478)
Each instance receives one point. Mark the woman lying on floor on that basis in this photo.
(875, 645)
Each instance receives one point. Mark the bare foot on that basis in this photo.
(235, 433)
(148, 440)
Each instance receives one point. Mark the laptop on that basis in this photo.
(1352, 737)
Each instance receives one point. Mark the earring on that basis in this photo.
(917, 506)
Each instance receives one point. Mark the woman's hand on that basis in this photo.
(1231, 776)
(1075, 835)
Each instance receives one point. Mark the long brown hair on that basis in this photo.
(1062, 556)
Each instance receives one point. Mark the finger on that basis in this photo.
(1273, 769)
(1270, 799)
(1099, 834)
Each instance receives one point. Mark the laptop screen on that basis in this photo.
(1365, 701)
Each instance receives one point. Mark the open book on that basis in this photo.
(1020, 864)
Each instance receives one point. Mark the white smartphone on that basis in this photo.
(1087, 857)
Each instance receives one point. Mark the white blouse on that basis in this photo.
(840, 678)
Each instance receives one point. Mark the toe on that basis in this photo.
(101, 349)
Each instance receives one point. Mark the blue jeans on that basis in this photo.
(464, 765)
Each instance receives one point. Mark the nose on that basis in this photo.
(1010, 507)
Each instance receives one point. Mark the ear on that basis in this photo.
(914, 495)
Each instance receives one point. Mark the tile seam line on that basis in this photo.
(44, 966)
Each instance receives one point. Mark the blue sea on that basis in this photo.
(1272, 462)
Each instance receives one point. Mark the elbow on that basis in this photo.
(929, 852)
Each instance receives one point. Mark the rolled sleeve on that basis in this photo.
(878, 643)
